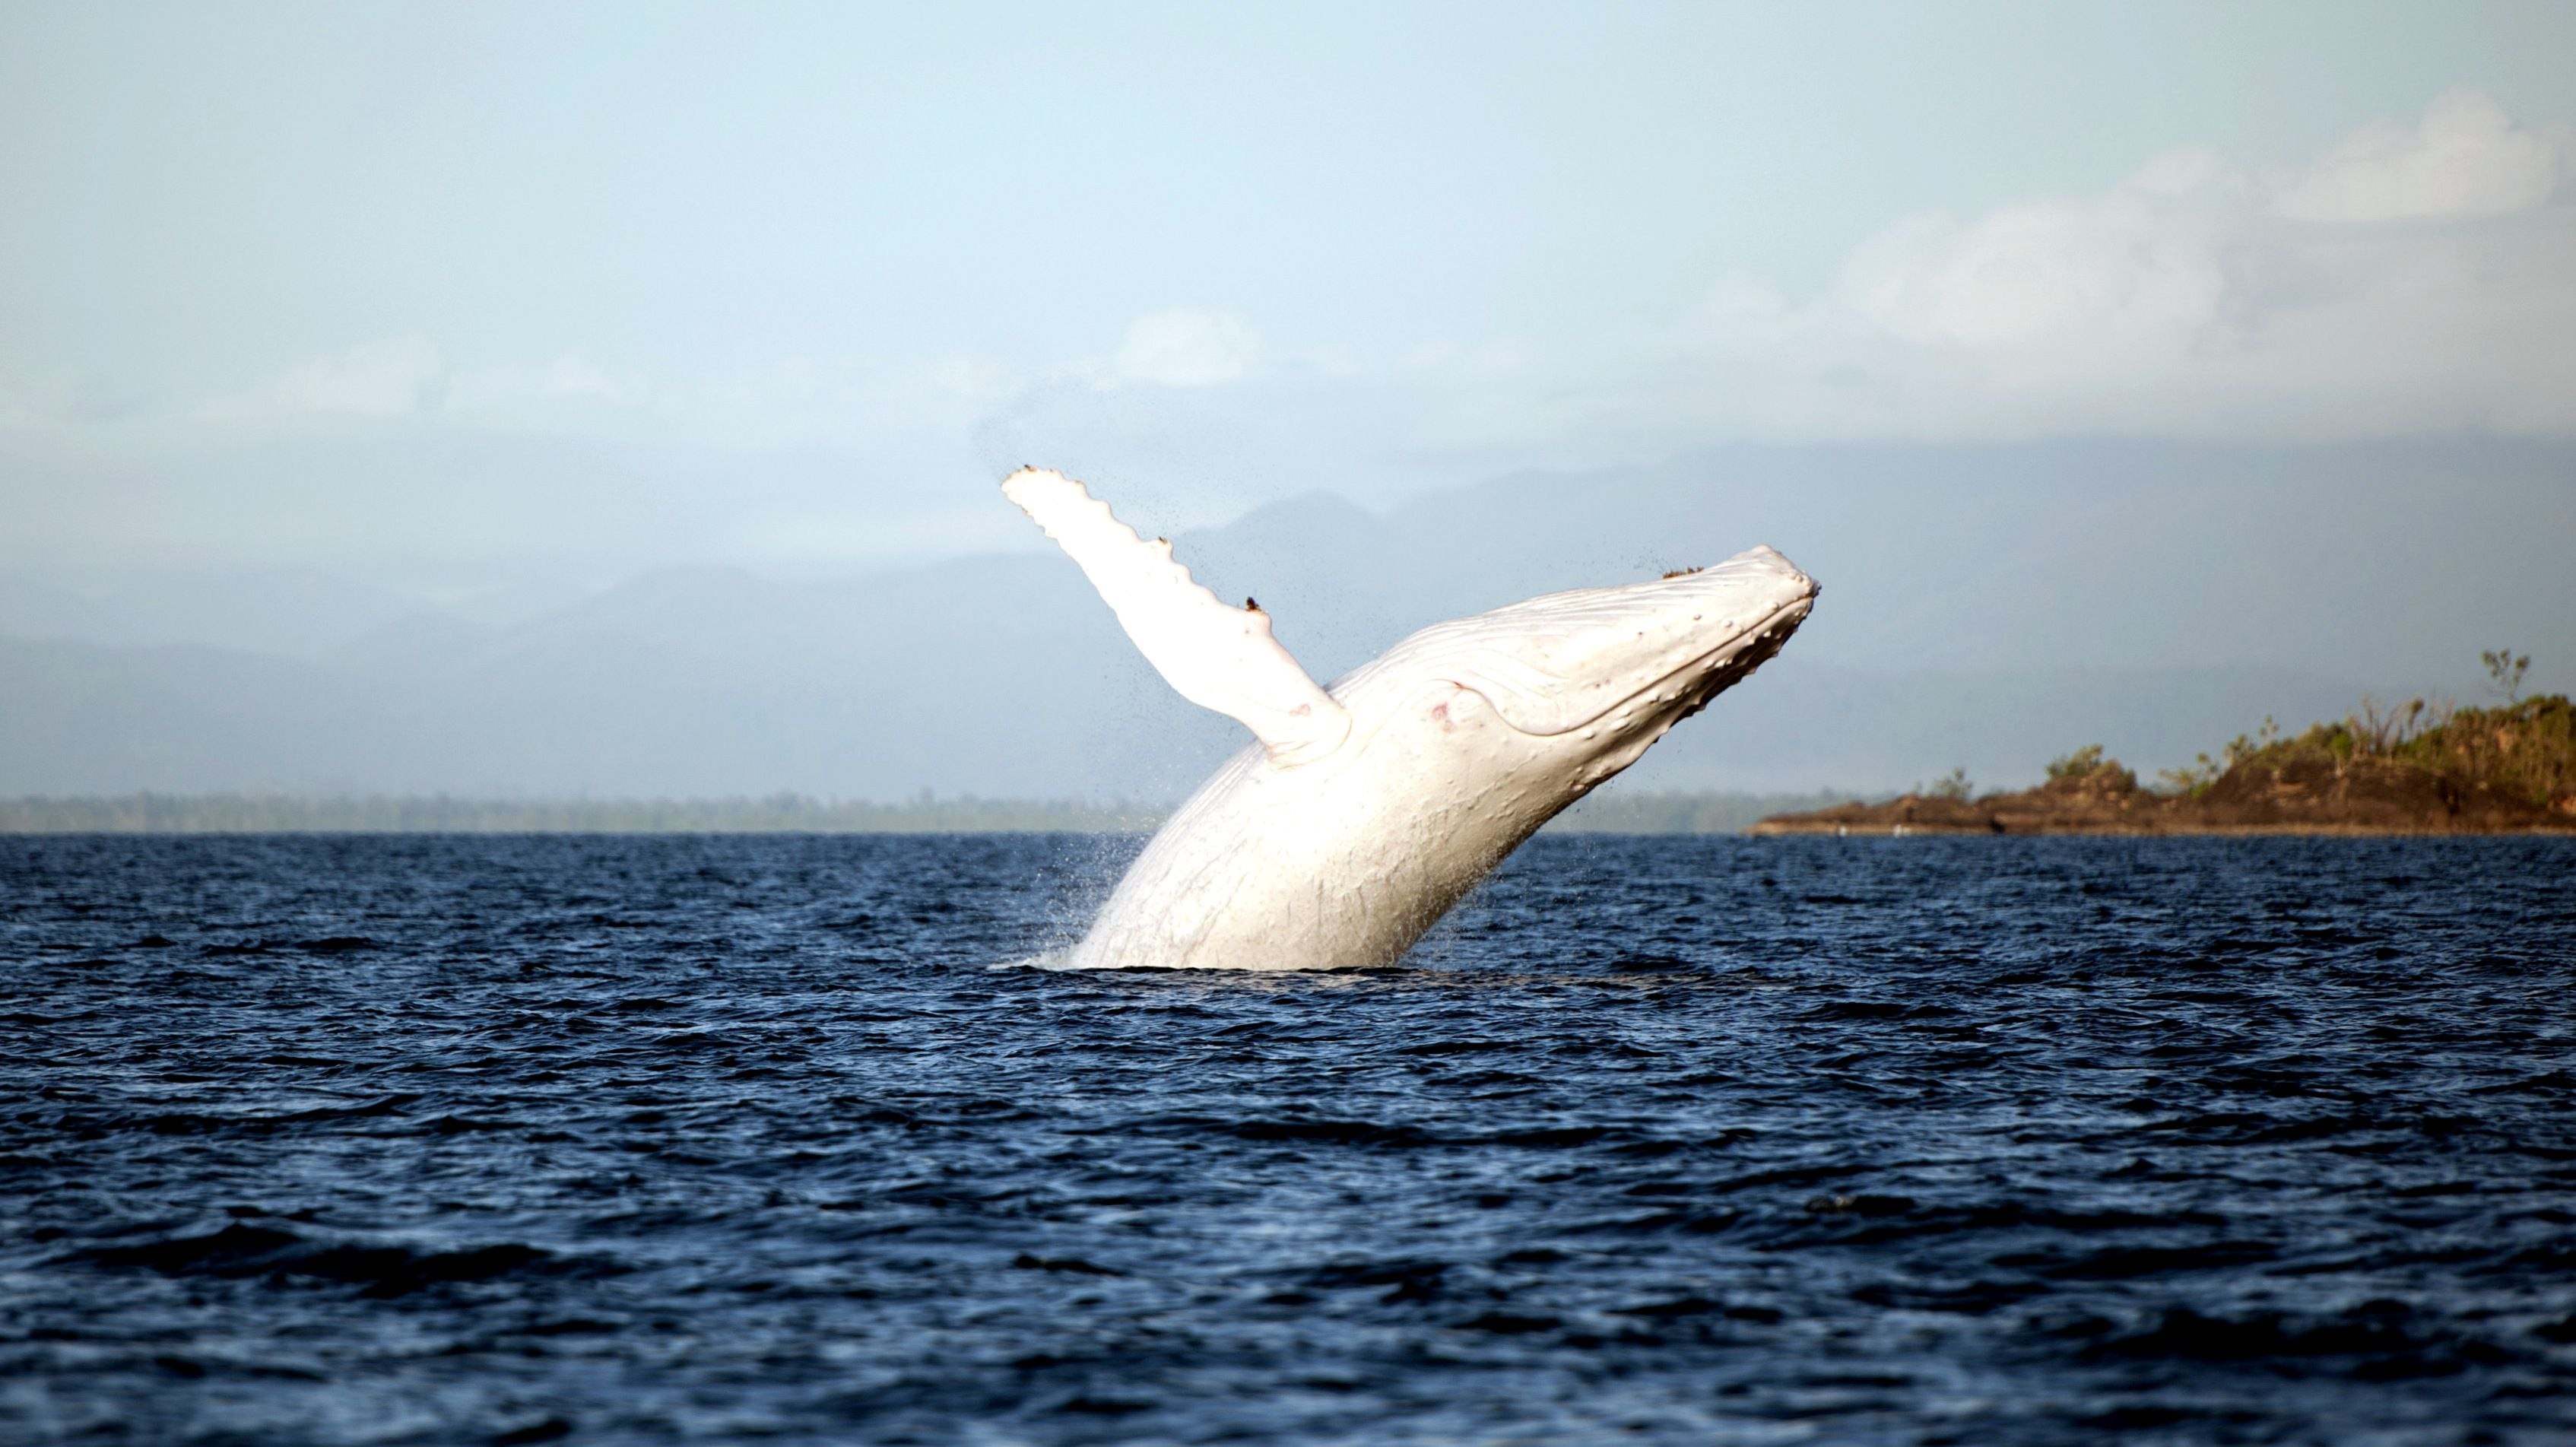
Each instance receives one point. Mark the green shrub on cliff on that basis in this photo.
(2077, 764)
(2525, 749)
(2087, 767)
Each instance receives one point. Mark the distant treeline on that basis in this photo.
(776, 814)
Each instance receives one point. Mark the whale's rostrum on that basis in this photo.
(1365, 810)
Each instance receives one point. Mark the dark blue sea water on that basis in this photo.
(429, 1140)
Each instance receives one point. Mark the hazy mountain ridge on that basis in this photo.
(1948, 635)
(273, 610)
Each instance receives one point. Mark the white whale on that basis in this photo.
(1366, 810)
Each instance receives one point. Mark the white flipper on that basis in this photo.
(1217, 656)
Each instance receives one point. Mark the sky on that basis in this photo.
(470, 292)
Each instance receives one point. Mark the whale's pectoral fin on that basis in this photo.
(1218, 656)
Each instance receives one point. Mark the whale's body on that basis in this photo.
(1366, 810)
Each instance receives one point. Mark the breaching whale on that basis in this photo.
(1365, 810)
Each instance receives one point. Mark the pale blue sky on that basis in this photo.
(782, 284)
(239, 186)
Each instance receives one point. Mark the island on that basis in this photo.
(2419, 768)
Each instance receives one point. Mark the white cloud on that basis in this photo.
(1188, 347)
(2194, 297)
(1491, 359)
(2465, 158)
(568, 378)
(2197, 296)
(389, 378)
(2182, 300)
(2087, 281)
(573, 375)
(410, 376)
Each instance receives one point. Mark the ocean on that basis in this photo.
(649, 1139)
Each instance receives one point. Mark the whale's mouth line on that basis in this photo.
(1708, 662)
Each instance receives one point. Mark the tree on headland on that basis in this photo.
(2077, 764)
(2089, 767)
(2505, 672)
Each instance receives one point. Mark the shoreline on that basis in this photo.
(1782, 829)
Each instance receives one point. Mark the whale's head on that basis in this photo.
(1565, 690)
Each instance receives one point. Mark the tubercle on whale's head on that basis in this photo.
(1601, 668)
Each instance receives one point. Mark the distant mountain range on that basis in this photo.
(2022, 601)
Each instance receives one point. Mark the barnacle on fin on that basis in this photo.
(1681, 572)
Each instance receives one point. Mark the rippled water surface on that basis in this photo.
(1662, 1140)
